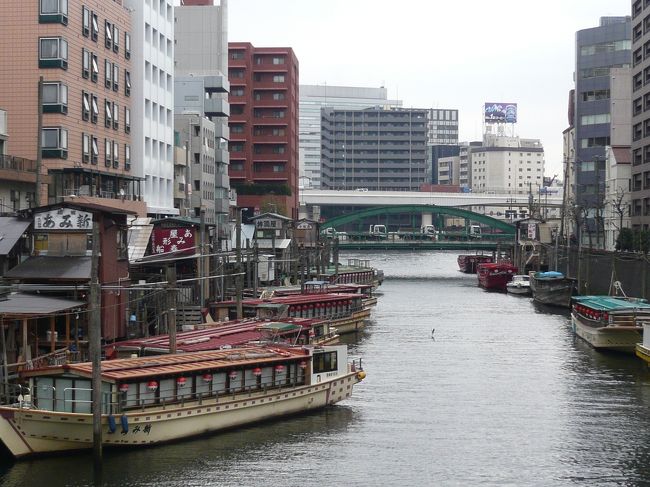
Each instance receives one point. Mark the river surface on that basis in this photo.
(503, 395)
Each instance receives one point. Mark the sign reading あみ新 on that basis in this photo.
(63, 219)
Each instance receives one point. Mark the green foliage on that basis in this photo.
(633, 240)
(262, 189)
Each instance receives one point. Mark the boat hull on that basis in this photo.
(554, 292)
(616, 338)
(27, 432)
(353, 323)
(497, 282)
(643, 352)
(518, 290)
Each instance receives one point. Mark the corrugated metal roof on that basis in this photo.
(178, 364)
(139, 235)
(58, 268)
(612, 303)
(22, 304)
(11, 229)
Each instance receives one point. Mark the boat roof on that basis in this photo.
(496, 265)
(293, 299)
(612, 303)
(214, 337)
(549, 275)
(143, 368)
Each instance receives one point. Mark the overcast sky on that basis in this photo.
(437, 53)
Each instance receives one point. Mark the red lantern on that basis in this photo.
(257, 371)
(207, 377)
(180, 382)
(124, 387)
(303, 364)
(279, 369)
(232, 374)
(152, 385)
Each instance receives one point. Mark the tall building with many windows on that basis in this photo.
(264, 128)
(315, 97)
(598, 50)
(82, 50)
(374, 149)
(153, 101)
(640, 194)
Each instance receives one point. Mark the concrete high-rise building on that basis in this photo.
(504, 164)
(152, 93)
(442, 127)
(83, 52)
(598, 50)
(640, 170)
(374, 149)
(449, 170)
(201, 90)
(264, 128)
(315, 97)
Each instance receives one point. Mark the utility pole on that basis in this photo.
(202, 263)
(95, 348)
(171, 305)
(39, 143)
(238, 283)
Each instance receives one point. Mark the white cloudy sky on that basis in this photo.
(438, 53)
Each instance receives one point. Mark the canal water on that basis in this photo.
(499, 394)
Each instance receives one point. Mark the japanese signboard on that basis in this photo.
(532, 231)
(267, 223)
(63, 219)
(164, 240)
(500, 112)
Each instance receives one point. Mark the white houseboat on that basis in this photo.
(156, 399)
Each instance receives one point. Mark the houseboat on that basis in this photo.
(215, 336)
(356, 271)
(552, 288)
(643, 348)
(520, 285)
(469, 263)
(495, 275)
(324, 287)
(610, 323)
(152, 400)
(345, 312)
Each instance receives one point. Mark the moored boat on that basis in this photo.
(552, 288)
(324, 287)
(469, 263)
(610, 322)
(153, 400)
(519, 285)
(495, 275)
(643, 348)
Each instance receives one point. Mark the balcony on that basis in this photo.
(216, 84)
(270, 85)
(18, 169)
(270, 157)
(221, 130)
(216, 107)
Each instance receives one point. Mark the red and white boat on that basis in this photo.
(495, 275)
(469, 263)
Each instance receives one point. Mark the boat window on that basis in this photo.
(325, 362)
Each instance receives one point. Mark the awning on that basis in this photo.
(11, 229)
(138, 238)
(25, 305)
(44, 267)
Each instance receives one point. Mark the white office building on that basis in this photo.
(315, 97)
(152, 115)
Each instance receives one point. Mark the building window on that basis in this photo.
(54, 142)
(237, 129)
(55, 98)
(116, 155)
(94, 109)
(127, 157)
(108, 34)
(236, 55)
(85, 148)
(278, 60)
(85, 22)
(116, 77)
(94, 147)
(127, 83)
(278, 96)
(94, 27)
(127, 120)
(85, 63)
(116, 38)
(108, 114)
(53, 53)
(108, 153)
(85, 105)
(94, 68)
(108, 74)
(595, 119)
(53, 11)
(127, 45)
(116, 116)
(237, 92)
(236, 73)
(278, 78)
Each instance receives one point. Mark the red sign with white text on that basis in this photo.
(165, 240)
